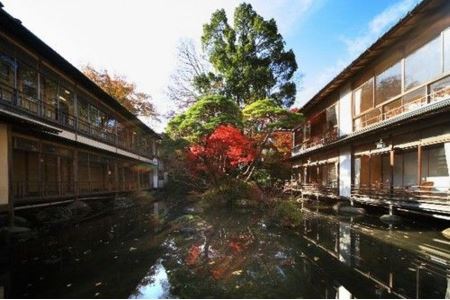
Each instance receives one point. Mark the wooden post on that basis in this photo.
(391, 169)
(419, 165)
(75, 174)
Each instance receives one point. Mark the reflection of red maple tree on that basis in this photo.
(221, 152)
(193, 254)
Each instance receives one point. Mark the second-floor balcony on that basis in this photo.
(316, 141)
(58, 115)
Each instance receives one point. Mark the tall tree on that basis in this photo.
(191, 64)
(123, 91)
(249, 58)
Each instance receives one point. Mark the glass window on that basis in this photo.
(447, 50)
(410, 168)
(7, 69)
(66, 100)
(27, 79)
(331, 115)
(423, 64)
(298, 136)
(307, 131)
(93, 115)
(49, 90)
(83, 110)
(389, 83)
(393, 109)
(363, 97)
(434, 163)
(414, 99)
(440, 90)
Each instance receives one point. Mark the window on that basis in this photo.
(363, 97)
(49, 90)
(331, 115)
(423, 64)
(93, 115)
(27, 79)
(434, 163)
(410, 168)
(414, 99)
(447, 50)
(440, 90)
(7, 66)
(307, 131)
(389, 83)
(66, 100)
(392, 109)
(298, 136)
(83, 110)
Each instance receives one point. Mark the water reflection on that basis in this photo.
(154, 285)
(403, 269)
(225, 254)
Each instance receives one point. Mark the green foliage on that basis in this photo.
(287, 213)
(249, 58)
(230, 192)
(265, 115)
(203, 117)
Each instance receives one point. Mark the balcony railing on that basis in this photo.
(30, 190)
(426, 192)
(14, 99)
(327, 137)
(329, 190)
(399, 105)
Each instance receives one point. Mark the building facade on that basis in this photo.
(379, 132)
(61, 136)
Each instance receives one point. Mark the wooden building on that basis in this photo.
(379, 132)
(61, 136)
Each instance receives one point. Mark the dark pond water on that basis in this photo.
(225, 254)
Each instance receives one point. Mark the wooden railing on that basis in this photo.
(382, 112)
(14, 99)
(330, 190)
(425, 192)
(317, 141)
(29, 189)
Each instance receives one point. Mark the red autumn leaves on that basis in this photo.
(221, 152)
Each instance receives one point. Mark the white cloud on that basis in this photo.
(355, 46)
(135, 38)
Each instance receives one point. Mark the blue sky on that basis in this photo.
(138, 38)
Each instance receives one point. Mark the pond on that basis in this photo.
(231, 254)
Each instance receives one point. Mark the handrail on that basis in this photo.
(431, 97)
(14, 98)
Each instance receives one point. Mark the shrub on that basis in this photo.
(287, 213)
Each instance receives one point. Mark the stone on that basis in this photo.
(446, 233)
(352, 210)
(390, 219)
(79, 208)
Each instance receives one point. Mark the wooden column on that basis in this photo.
(419, 165)
(6, 186)
(75, 174)
(391, 169)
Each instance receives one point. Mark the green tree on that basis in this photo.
(249, 59)
(262, 119)
(203, 117)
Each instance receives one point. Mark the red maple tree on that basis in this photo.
(221, 152)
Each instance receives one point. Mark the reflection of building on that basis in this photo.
(379, 132)
(61, 136)
(417, 270)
